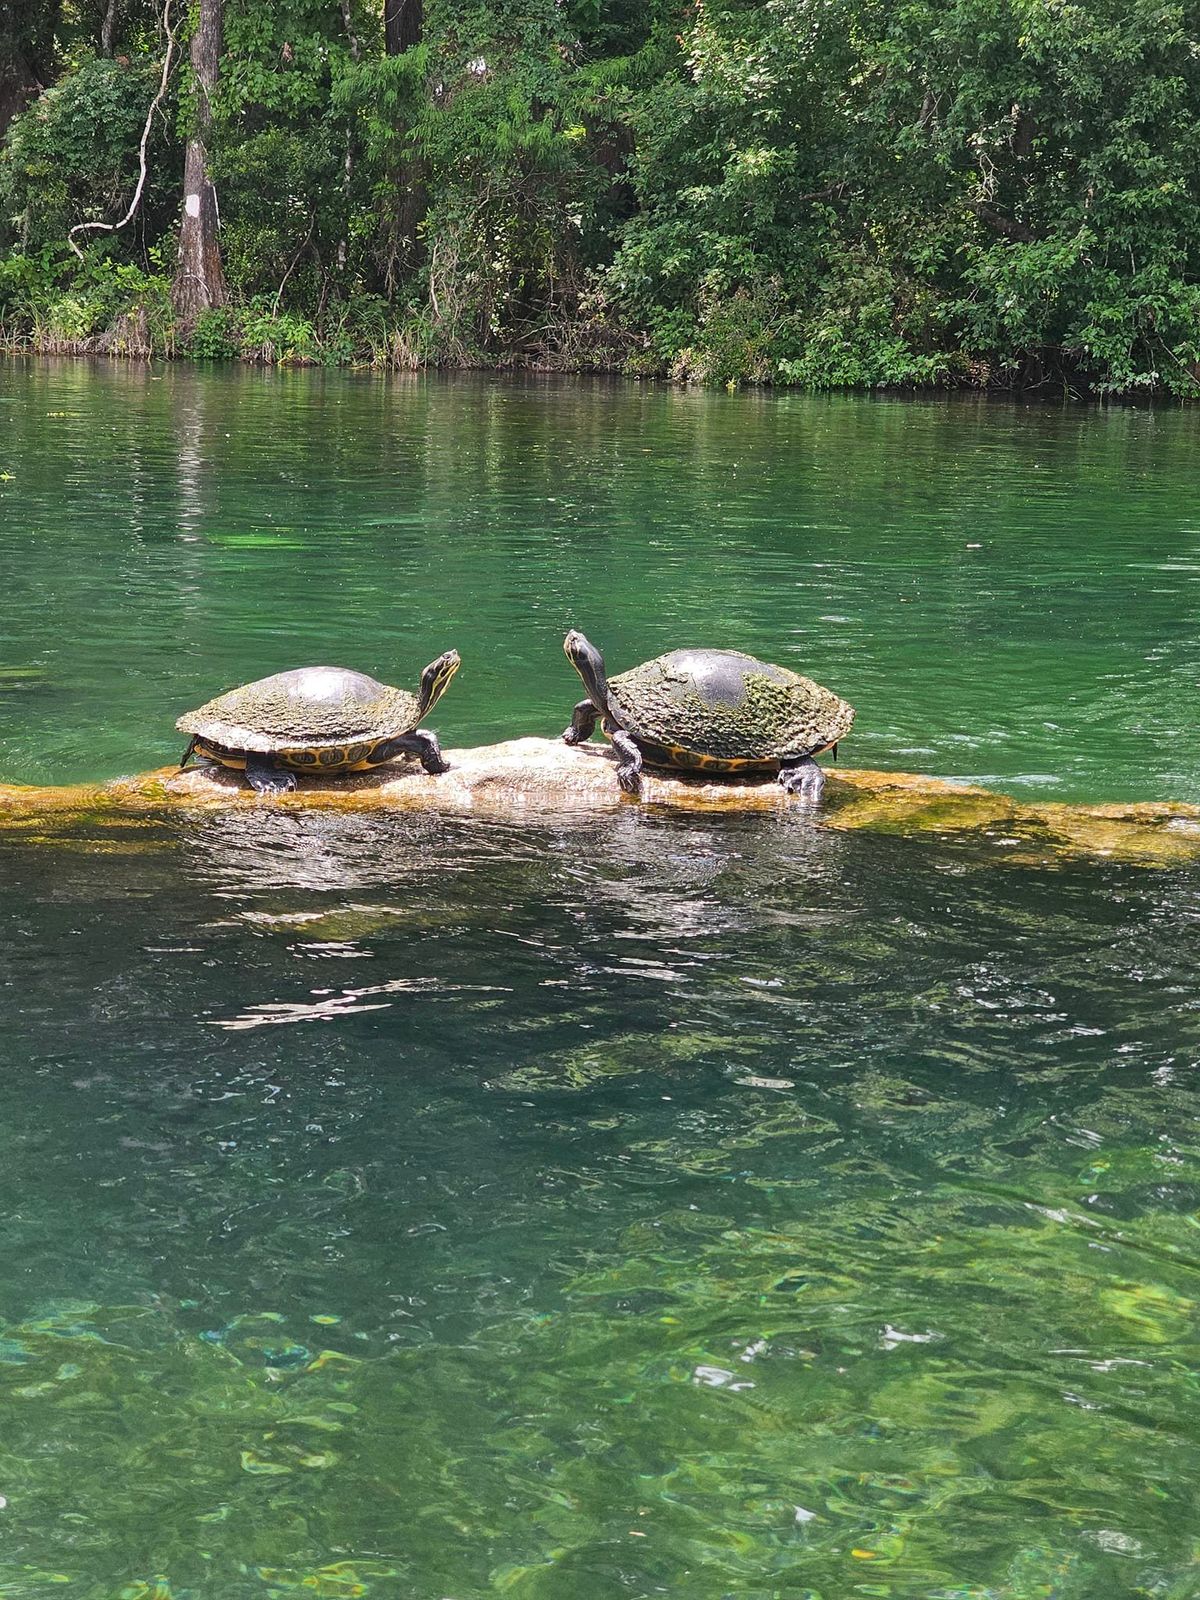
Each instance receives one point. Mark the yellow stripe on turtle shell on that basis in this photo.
(692, 759)
(227, 758)
(327, 760)
(331, 759)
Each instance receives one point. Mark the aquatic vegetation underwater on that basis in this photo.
(721, 1206)
(427, 1207)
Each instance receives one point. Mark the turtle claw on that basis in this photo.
(267, 779)
(423, 744)
(583, 723)
(629, 773)
(804, 779)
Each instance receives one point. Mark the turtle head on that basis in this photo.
(434, 680)
(589, 664)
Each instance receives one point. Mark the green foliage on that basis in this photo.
(47, 302)
(215, 336)
(818, 192)
(490, 187)
(73, 156)
(27, 280)
(280, 338)
(995, 185)
(290, 208)
(738, 337)
(862, 335)
(1040, 168)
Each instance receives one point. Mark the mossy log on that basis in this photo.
(544, 777)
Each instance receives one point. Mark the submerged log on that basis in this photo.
(545, 778)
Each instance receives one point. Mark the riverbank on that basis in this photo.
(293, 341)
(92, 319)
(258, 338)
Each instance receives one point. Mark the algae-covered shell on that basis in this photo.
(312, 706)
(723, 707)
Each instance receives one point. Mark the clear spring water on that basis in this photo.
(433, 1209)
(1005, 593)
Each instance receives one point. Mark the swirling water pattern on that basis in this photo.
(429, 1209)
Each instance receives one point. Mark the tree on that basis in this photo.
(403, 30)
(27, 50)
(199, 279)
(403, 25)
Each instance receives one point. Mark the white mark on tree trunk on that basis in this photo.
(192, 205)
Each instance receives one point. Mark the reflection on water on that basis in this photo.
(432, 1208)
(1006, 593)
(426, 1207)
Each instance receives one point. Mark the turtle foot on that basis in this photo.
(629, 773)
(266, 779)
(804, 779)
(423, 744)
(583, 723)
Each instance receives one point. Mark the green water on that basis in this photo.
(167, 535)
(439, 1209)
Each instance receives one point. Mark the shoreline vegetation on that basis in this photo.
(988, 194)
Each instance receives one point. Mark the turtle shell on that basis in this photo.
(313, 707)
(720, 708)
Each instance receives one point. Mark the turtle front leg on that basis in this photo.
(264, 777)
(424, 745)
(188, 753)
(804, 779)
(583, 724)
(629, 773)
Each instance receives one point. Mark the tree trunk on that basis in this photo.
(108, 28)
(343, 248)
(199, 279)
(403, 25)
(18, 83)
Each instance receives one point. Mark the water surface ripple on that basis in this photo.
(432, 1208)
(1006, 593)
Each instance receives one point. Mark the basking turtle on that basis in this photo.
(711, 711)
(320, 720)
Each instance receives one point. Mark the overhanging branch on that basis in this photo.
(113, 227)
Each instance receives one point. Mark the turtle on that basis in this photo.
(319, 720)
(708, 711)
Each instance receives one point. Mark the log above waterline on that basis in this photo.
(544, 777)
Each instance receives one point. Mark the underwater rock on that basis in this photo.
(544, 777)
